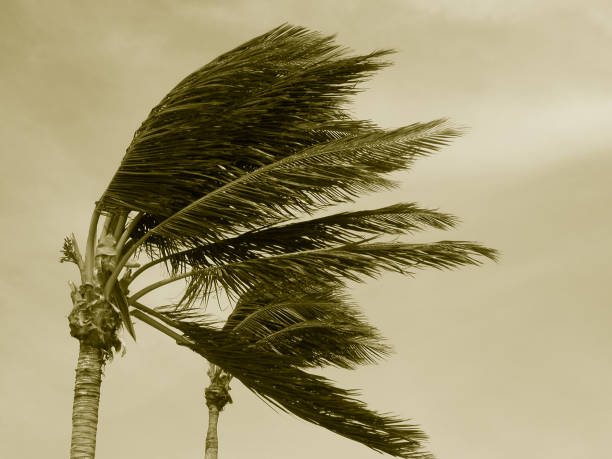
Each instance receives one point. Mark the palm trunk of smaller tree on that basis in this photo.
(217, 396)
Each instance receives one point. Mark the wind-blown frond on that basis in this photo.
(337, 264)
(275, 378)
(328, 173)
(268, 98)
(317, 327)
(328, 231)
(346, 344)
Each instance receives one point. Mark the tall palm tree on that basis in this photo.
(221, 184)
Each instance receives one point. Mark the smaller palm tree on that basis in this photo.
(314, 326)
(272, 335)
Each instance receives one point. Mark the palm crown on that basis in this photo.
(222, 183)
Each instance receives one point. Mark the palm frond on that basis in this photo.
(337, 264)
(346, 345)
(307, 299)
(328, 231)
(315, 326)
(327, 173)
(268, 98)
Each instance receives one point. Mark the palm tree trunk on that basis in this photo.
(217, 396)
(86, 401)
(212, 440)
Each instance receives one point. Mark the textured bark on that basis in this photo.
(217, 396)
(212, 440)
(86, 401)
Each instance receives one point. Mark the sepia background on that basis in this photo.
(508, 360)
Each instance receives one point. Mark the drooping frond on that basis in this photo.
(275, 378)
(277, 94)
(324, 174)
(336, 264)
(341, 228)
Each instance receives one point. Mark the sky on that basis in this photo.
(510, 359)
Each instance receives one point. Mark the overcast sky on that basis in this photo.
(505, 361)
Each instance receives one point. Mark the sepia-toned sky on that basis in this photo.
(508, 360)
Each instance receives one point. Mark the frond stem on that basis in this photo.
(126, 234)
(126, 257)
(108, 220)
(87, 275)
(180, 339)
(120, 223)
(146, 266)
(152, 312)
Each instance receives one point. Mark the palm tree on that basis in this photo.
(220, 185)
(309, 325)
